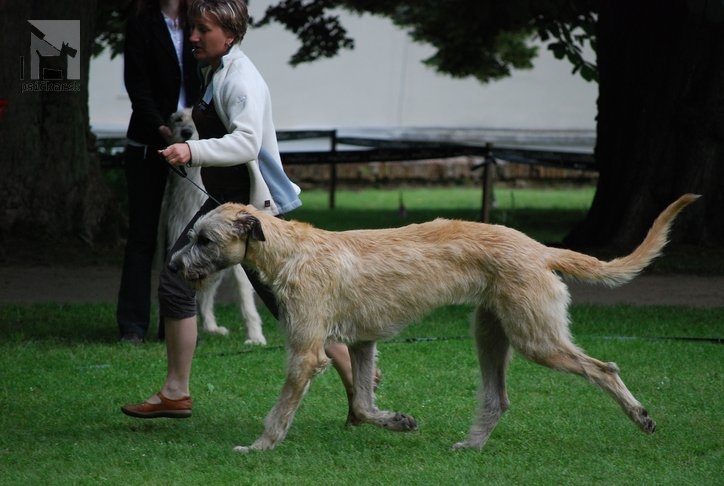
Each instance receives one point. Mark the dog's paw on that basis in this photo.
(466, 444)
(400, 423)
(256, 341)
(645, 422)
(263, 443)
(220, 330)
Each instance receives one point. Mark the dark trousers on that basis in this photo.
(146, 178)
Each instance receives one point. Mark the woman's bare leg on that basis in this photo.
(340, 360)
(180, 347)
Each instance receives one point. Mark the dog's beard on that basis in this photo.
(196, 280)
(203, 281)
(198, 268)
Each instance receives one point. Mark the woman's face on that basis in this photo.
(209, 40)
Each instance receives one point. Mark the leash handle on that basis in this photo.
(180, 170)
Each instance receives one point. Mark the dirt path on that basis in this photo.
(27, 285)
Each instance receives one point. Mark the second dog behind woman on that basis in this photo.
(182, 198)
(240, 161)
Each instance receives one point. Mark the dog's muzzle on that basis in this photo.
(173, 266)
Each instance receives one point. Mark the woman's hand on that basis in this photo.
(176, 154)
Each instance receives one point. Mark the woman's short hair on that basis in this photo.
(231, 15)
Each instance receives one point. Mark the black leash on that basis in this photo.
(181, 171)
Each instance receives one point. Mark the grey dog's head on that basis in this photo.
(218, 240)
(182, 126)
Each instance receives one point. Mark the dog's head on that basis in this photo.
(218, 240)
(182, 126)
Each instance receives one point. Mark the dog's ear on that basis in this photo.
(256, 231)
(246, 224)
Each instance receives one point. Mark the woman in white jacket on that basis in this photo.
(238, 153)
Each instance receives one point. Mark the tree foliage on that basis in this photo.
(110, 22)
(485, 39)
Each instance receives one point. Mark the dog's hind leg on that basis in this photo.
(537, 328)
(247, 308)
(362, 356)
(303, 364)
(493, 355)
(606, 376)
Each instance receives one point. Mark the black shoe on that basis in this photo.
(132, 338)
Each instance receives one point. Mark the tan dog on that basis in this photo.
(358, 287)
(181, 200)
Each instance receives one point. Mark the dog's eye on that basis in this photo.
(202, 240)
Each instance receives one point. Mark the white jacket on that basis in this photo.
(243, 104)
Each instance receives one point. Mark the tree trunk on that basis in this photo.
(51, 182)
(660, 122)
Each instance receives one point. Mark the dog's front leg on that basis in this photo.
(302, 367)
(362, 356)
(205, 299)
(247, 308)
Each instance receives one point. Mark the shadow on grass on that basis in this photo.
(60, 323)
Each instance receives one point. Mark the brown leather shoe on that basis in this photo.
(168, 408)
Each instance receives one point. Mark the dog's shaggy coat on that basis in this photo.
(358, 287)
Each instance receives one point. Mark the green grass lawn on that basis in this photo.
(63, 378)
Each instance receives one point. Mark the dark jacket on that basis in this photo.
(153, 78)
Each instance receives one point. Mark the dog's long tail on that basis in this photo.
(621, 270)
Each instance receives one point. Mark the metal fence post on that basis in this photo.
(488, 176)
(333, 171)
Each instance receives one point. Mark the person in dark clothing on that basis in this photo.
(161, 77)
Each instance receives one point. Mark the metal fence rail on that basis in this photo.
(355, 150)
